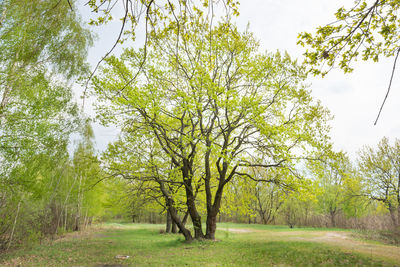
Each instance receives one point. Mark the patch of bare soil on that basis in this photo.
(239, 230)
(342, 240)
(83, 234)
(348, 243)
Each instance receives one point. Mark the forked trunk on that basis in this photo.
(174, 214)
(184, 220)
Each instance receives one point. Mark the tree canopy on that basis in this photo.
(207, 97)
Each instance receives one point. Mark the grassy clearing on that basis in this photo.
(277, 228)
(147, 247)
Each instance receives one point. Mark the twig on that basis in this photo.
(108, 53)
(70, 6)
(390, 85)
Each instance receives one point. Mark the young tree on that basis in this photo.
(381, 172)
(270, 198)
(208, 98)
(89, 189)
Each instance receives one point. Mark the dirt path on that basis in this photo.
(342, 240)
(348, 243)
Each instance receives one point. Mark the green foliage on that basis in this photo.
(42, 47)
(41, 33)
(41, 41)
(368, 30)
(338, 186)
(153, 14)
(210, 107)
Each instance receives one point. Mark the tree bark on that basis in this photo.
(398, 218)
(174, 229)
(174, 214)
(184, 220)
(194, 214)
(392, 215)
(211, 225)
(212, 214)
(333, 218)
(168, 223)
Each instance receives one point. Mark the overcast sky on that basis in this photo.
(354, 99)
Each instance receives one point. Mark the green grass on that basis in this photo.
(147, 247)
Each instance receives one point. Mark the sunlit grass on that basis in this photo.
(147, 247)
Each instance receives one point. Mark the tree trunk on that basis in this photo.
(393, 215)
(169, 222)
(212, 214)
(187, 175)
(333, 218)
(174, 215)
(174, 229)
(194, 215)
(262, 215)
(211, 225)
(398, 217)
(184, 220)
(13, 228)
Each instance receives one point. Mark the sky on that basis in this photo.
(354, 99)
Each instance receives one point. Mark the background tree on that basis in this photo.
(381, 172)
(270, 198)
(42, 47)
(332, 175)
(39, 40)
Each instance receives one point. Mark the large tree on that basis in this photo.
(208, 98)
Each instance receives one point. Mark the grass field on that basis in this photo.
(237, 245)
